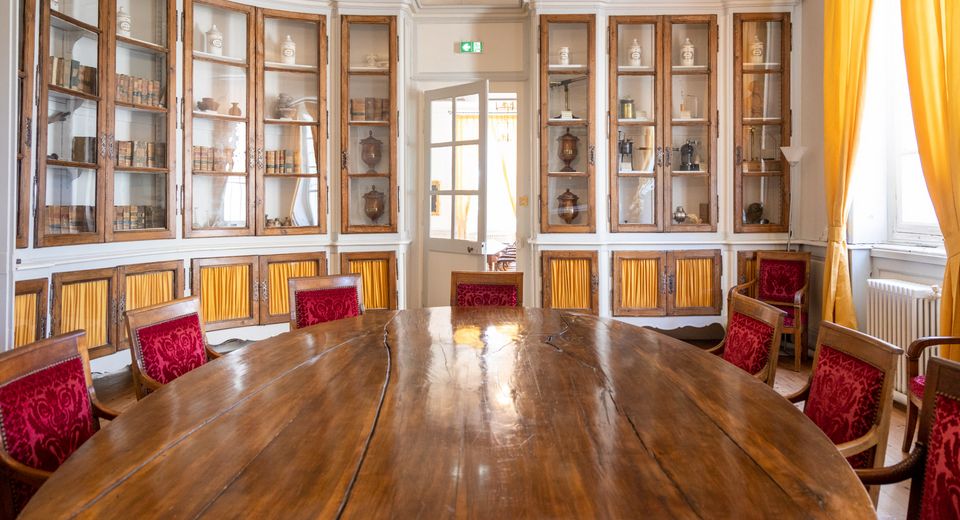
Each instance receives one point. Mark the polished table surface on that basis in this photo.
(483, 413)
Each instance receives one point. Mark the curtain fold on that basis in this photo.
(694, 282)
(278, 288)
(225, 292)
(24, 319)
(846, 27)
(375, 277)
(84, 306)
(146, 289)
(639, 283)
(931, 42)
(570, 283)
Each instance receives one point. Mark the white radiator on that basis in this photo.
(900, 312)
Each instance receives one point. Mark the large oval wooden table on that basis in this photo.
(439, 413)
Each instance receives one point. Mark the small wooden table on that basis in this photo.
(438, 413)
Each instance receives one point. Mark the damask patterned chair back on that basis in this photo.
(752, 341)
(46, 412)
(320, 299)
(496, 289)
(850, 393)
(166, 342)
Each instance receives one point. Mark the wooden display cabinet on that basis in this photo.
(275, 272)
(27, 74)
(576, 272)
(369, 198)
(663, 123)
(380, 288)
(762, 122)
(567, 152)
(30, 311)
(667, 283)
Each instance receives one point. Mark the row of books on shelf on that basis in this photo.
(208, 158)
(141, 154)
(370, 109)
(126, 218)
(72, 75)
(62, 220)
(84, 149)
(140, 91)
(282, 161)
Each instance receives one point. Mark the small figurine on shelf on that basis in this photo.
(687, 53)
(754, 214)
(567, 206)
(208, 104)
(285, 108)
(371, 151)
(686, 156)
(679, 216)
(636, 53)
(235, 109)
(288, 51)
(124, 22)
(214, 41)
(626, 108)
(371, 60)
(373, 202)
(567, 151)
(756, 50)
(564, 55)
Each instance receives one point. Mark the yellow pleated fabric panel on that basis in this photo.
(24, 319)
(146, 289)
(931, 42)
(84, 306)
(570, 287)
(694, 282)
(638, 283)
(375, 276)
(278, 275)
(225, 292)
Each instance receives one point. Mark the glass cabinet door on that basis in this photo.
(72, 147)
(142, 133)
(218, 137)
(292, 124)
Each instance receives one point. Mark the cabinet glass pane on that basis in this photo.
(762, 199)
(568, 46)
(761, 96)
(689, 49)
(567, 149)
(219, 146)
(691, 199)
(634, 37)
(761, 44)
(369, 98)
(220, 33)
(637, 98)
(141, 77)
(147, 21)
(567, 96)
(140, 200)
(71, 129)
(219, 201)
(761, 148)
(140, 139)
(690, 97)
(637, 200)
(290, 149)
(219, 89)
(291, 96)
(567, 200)
(369, 201)
(369, 47)
(368, 149)
(71, 200)
(86, 11)
(73, 57)
(689, 149)
(290, 202)
(636, 149)
(304, 35)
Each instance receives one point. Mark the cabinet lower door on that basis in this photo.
(229, 290)
(143, 285)
(639, 283)
(378, 271)
(87, 301)
(276, 272)
(29, 311)
(570, 280)
(694, 282)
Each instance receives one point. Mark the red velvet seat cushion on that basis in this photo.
(325, 305)
(917, 384)
(844, 399)
(44, 417)
(748, 343)
(941, 479)
(779, 280)
(171, 348)
(789, 320)
(476, 294)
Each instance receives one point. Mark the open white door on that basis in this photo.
(456, 185)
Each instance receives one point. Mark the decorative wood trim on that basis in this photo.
(547, 257)
(621, 310)
(25, 139)
(389, 256)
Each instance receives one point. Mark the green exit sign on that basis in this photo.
(471, 47)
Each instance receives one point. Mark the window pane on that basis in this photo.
(915, 205)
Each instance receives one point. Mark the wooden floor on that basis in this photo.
(116, 390)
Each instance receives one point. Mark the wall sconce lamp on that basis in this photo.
(793, 154)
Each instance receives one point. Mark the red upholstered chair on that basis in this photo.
(48, 408)
(850, 393)
(166, 341)
(782, 278)
(752, 342)
(319, 299)
(916, 382)
(934, 464)
(496, 289)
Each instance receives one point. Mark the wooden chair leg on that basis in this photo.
(797, 350)
(912, 413)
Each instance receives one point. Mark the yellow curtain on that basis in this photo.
(931, 41)
(146, 289)
(225, 292)
(375, 276)
(694, 282)
(639, 281)
(846, 25)
(278, 275)
(570, 283)
(84, 306)
(24, 319)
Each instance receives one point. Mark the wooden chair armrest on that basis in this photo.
(104, 411)
(22, 472)
(800, 296)
(800, 395)
(916, 348)
(718, 349)
(744, 286)
(212, 354)
(150, 383)
(899, 472)
(860, 444)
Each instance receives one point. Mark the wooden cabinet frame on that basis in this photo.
(253, 263)
(619, 309)
(717, 300)
(113, 319)
(345, 175)
(389, 256)
(28, 76)
(264, 295)
(40, 287)
(589, 150)
(547, 257)
(174, 266)
(785, 120)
